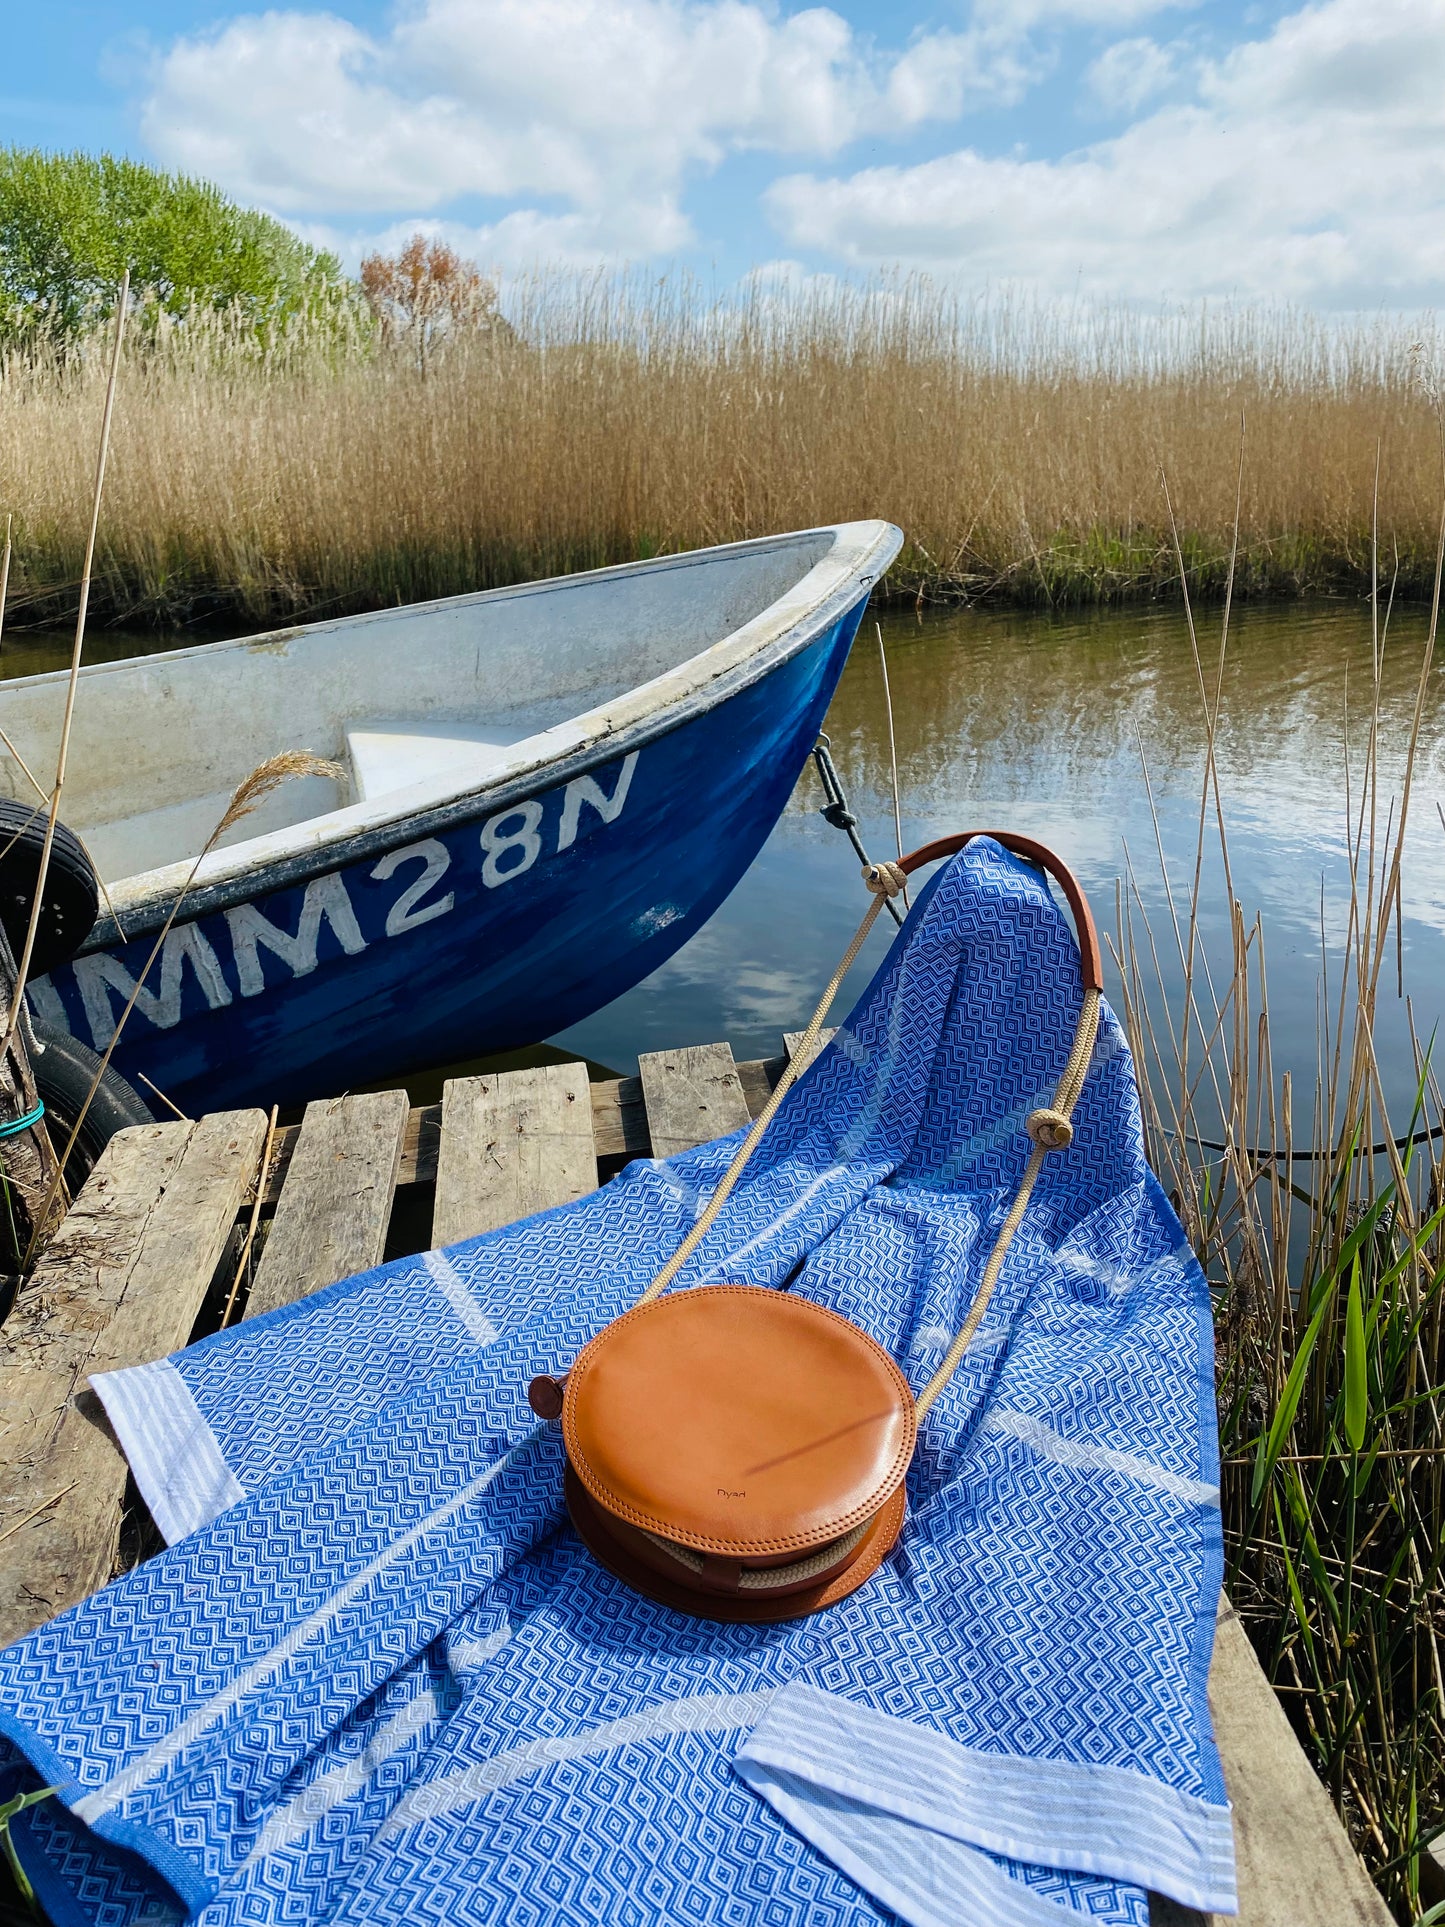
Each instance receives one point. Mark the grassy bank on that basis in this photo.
(1020, 449)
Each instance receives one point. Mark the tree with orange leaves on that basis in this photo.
(428, 295)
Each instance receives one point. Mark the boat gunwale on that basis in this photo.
(859, 557)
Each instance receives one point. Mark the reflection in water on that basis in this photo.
(35, 652)
(1047, 726)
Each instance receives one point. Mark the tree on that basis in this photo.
(427, 295)
(70, 224)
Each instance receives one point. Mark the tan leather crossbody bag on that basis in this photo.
(739, 1453)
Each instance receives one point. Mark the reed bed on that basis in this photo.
(1319, 1216)
(318, 470)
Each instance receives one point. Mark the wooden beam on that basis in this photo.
(336, 1202)
(512, 1143)
(1294, 1858)
(691, 1095)
(122, 1282)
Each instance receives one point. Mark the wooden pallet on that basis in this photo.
(163, 1242)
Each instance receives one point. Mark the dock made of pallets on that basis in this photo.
(184, 1226)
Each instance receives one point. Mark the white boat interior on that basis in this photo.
(438, 693)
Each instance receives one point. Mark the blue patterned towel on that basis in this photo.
(377, 1680)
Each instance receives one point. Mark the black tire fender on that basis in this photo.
(72, 892)
(64, 1071)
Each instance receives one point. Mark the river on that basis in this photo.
(1064, 727)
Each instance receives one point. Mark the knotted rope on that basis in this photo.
(1051, 1130)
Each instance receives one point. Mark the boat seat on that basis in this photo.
(393, 756)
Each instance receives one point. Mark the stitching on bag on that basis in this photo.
(703, 1542)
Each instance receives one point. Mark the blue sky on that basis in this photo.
(1125, 150)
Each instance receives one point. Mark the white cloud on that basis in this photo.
(1129, 73)
(1306, 163)
(1004, 50)
(604, 105)
(594, 113)
(1310, 165)
(1020, 16)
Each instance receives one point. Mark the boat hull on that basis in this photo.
(495, 930)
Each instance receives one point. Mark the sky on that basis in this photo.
(1136, 151)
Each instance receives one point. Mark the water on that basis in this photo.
(1046, 725)
(31, 652)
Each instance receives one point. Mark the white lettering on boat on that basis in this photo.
(497, 840)
(586, 789)
(325, 897)
(511, 843)
(99, 974)
(435, 860)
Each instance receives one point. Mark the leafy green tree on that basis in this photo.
(70, 224)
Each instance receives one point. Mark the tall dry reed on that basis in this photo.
(1018, 447)
(1320, 1220)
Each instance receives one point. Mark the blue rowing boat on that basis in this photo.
(532, 798)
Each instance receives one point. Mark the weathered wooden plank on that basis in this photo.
(122, 1282)
(757, 1078)
(512, 1143)
(619, 1125)
(691, 1095)
(1294, 1858)
(333, 1212)
(619, 1118)
(793, 1040)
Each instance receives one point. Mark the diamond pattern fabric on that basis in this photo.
(377, 1679)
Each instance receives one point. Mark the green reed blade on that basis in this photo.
(7, 1813)
(1357, 1394)
(1273, 1441)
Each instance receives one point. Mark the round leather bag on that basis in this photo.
(737, 1453)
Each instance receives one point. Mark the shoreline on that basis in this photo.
(1059, 577)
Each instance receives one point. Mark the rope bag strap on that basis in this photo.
(885, 880)
(1051, 1129)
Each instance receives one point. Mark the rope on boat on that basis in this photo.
(837, 812)
(1264, 1154)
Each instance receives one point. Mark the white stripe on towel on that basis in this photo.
(452, 1286)
(922, 1876)
(157, 1758)
(704, 1713)
(1049, 1444)
(469, 1654)
(1119, 1279)
(172, 1451)
(1049, 1812)
(770, 1230)
(299, 1815)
